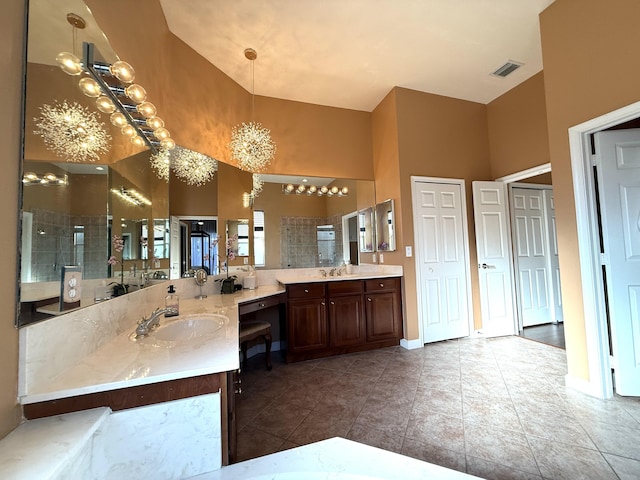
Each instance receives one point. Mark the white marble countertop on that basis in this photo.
(291, 279)
(334, 459)
(122, 362)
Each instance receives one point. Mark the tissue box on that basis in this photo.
(249, 283)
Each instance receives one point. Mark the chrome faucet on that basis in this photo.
(147, 324)
(332, 272)
(323, 272)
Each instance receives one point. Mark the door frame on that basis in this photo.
(600, 383)
(417, 255)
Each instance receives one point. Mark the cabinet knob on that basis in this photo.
(332, 302)
(381, 285)
(306, 290)
(261, 305)
(238, 391)
(322, 303)
(369, 299)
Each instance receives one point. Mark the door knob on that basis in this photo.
(485, 266)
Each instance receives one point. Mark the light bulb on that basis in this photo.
(155, 122)
(289, 188)
(136, 93)
(128, 131)
(89, 87)
(105, 105)
(161, 133)
(137, 141)
(123, 71)
(118, 119)
(30, 176)
(167, 143)
(344, 191)
(334, 190)
(312, 189)
(69, 63)
(324, 190)
(147, 109)
(300, 188)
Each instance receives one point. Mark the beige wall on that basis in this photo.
(590, 68)
(437, 137)
(11, 47)
(517, 124)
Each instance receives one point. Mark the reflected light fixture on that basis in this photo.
(47, 179)
(313, 190)
(160, 162)
(193, 167)
(131, 196)
(69, 129)
(251, 145)
(72, 132)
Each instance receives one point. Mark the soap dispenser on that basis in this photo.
(172, 301)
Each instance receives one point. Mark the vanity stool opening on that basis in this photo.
(252, 332)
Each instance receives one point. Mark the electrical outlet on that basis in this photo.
(374, 259)
(381, 258)
(246, 260)
(407, 251)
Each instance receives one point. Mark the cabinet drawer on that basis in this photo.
(305, 290)
(345, 287)
(382, 284)
(259, 304)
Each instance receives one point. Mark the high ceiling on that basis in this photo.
(351, 53)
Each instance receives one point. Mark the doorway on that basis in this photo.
(594, 262)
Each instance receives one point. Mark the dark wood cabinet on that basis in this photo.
(342, 316)
(382, 309)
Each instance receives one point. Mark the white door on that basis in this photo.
(494, 258)
(554, 262)
(618, 170)
(441, 259)
(531, 256)
(174, 248)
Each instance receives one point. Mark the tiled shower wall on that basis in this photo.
(299, 242)
(52, 245)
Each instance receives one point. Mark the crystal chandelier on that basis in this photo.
(251, 145)
(161, 162)
(72, 132)
(193, 167)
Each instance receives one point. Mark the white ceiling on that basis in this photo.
(351, 53)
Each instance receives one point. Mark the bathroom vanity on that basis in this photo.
(342, 314)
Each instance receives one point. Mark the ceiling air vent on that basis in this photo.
(507, 68)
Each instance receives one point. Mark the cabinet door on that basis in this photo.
(383, 316)
(307, 322)
(346, 321)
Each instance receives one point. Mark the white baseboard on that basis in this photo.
(410, 344)
(583, 386)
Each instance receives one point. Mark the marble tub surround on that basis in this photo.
(334, 459)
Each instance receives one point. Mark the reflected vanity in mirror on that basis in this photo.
(385, 225)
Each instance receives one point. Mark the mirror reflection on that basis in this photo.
(385, 224)
(366, 230)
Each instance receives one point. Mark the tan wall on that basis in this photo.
(590, 68)
(438, 137)
(517, 123)
(11, 47)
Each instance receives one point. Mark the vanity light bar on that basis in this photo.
(131, 196)
(47, 179)
(313, 190)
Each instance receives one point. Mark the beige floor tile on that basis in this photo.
(375, 437)
(316, 427)
(625, 468)
(492, 471)
(437, 429)
(435, 454)
(617, 439)
(254, 443)
(280, 420)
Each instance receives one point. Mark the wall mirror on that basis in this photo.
(303, 229)
(366, 233)
(238, 237)
(385, 225)
(71, 206)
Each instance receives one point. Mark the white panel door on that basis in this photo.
(494, 258)
(554, 262)
(531, 256)
(442, 262)
(618, 167)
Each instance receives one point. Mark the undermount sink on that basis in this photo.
(190, 326)
(185, 328)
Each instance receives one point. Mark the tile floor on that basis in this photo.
(495, 408)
